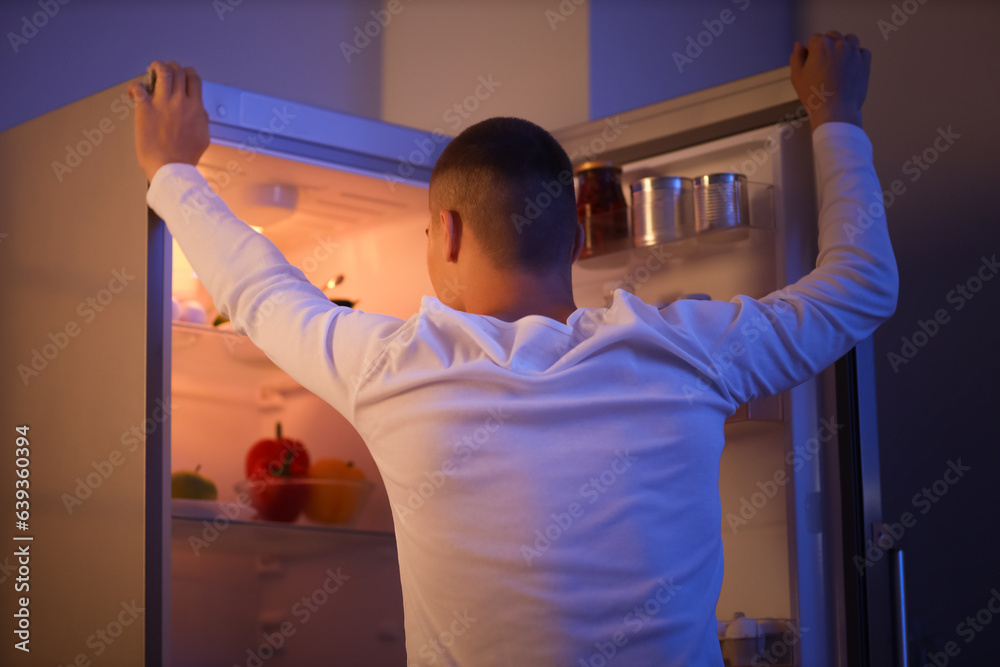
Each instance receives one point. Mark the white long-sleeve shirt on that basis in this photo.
(555, 485)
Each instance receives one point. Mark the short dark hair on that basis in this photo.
(512, 184)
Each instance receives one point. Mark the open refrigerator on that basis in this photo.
(118, 393)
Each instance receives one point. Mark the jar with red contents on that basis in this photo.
(601, 209)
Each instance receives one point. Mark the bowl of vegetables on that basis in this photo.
(283, 485)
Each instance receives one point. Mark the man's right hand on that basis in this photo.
(171, 125)
(837, 67)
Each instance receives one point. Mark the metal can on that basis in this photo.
(721, 207)
(662, 210)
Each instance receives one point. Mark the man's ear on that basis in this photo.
(578, 243)
(451, 225)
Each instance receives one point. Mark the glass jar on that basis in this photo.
(601, 209)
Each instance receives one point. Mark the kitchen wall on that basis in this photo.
(291, 49)
(448, 64)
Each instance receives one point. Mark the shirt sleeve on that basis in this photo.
(322, 346)
(747, 347)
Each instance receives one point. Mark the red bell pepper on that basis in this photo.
(270, 464)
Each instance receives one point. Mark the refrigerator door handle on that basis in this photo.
(899, 607)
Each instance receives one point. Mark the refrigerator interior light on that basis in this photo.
(266, 204)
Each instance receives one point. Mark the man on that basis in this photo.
(575, 509)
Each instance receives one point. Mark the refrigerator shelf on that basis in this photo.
(761, 219)
(268, 538)
(225, 365)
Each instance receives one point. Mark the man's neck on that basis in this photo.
(509, 297)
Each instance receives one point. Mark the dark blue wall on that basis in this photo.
(633, 45)
(288, 49)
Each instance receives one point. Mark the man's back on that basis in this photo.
(555, 493)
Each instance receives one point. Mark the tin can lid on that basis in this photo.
(662, 183)
(595, 164)
(723, 177)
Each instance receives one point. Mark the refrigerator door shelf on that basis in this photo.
(761, 217)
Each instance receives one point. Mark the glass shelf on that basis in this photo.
(268, 538)
(212, 363)
(239, 347)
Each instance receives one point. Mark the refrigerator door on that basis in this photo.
(81, 269)
(833, 499)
